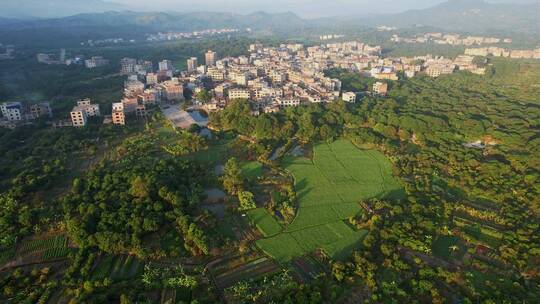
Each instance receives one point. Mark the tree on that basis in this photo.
(139, 188)
(246, 200)
(204, 96)
(232, 177)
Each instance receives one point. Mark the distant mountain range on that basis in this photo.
(475, 16)
(25, 9)
(159, 21)
(470, 15)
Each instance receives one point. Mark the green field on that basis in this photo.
(117, 268)
(252, 170)
(264, 221)
(329, 188)
(43, 244)
(217, 153)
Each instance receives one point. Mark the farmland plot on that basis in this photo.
(329, 188)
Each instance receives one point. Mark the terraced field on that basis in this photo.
(329, 188)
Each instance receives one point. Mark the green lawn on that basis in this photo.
(217, 153)
(265, 222)
(329, 188)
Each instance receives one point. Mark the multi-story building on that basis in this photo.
(202, 69)
(90, 109)
(127, 66)
(166, 65)
(141, 110)
(238, 93)
(144, 67)
(62, 55)
(133, 87)
(380, 88)
(43, 58)
(79, 116)
(278, 76)
(151, 78)
(129, 104)
(192, 64)
(436, 70)
(96, 62)
(118, 115)
(83, 110)
(266, 92)
(349, 97)
(288, 102)
(41, 110)
(173, 90)
(239, 78)
(216, 74)
(12, 110)
(386, 73)
(210, 58)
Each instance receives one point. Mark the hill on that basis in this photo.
(167, 21)
(469, 15)
(54, 8)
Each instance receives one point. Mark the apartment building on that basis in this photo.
(118, 115)
(210, 58)
(84, 109)
(127, 66)
(288, 102)
(238, 93)
(40, 110)
(90, 109)
(239, 78)
(12, 111)
(192, 64)
(278, 76)
(79, 117)
(436, 70)
(380, 88)
(173, 90)
(349, 97)
(96, 62)
(151, 78)
(165, 65)
(216, 74)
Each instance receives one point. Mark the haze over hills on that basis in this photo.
(25, 9)
(475, 16)
(470, 15)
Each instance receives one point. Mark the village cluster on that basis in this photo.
(271, 78)
(450, 39)
(168, 36)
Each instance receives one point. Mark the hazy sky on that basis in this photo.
(309, 8)
(305, 8)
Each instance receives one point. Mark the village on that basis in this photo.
(271, 78)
